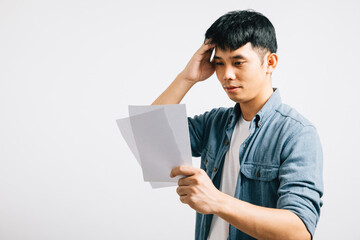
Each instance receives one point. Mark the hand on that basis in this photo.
(199, 67)
(197, 189)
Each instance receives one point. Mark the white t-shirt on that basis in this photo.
(219, 228)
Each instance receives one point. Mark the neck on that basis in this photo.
(250, 108)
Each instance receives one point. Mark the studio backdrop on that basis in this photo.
(69, 69)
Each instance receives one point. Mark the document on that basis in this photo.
(158, 137)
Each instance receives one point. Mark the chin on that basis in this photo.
(238, 99)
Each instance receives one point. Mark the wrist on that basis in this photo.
(185, 80)
(220, 203)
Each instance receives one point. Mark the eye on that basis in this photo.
(238, 63)
(219, 63)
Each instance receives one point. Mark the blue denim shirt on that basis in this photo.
(280, 161)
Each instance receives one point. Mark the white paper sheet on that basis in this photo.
(158, 136)
(126, 130)
(177, 119)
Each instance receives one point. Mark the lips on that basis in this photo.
(231, 88)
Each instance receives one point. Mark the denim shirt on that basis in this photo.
(280, 161)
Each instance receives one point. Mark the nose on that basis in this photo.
(229, 73)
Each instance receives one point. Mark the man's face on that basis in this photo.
(242, 73)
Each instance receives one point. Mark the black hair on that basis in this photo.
(236, 28)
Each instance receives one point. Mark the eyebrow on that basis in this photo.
(239, 56)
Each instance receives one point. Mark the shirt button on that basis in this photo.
(258, 174)
(206, 161)
(214, 169)
(226, 142)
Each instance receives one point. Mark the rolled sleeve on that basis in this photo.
(195, 136)
(197, 126)
(300, 176)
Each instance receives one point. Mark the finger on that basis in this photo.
(205, 48)
(180, 191)
(185, 190)
(207, 54)
(184, 199)
(208, 41)
(187, 181)
(183, 170)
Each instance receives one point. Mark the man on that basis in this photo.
(261, 161)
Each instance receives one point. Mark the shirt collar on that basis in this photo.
(266, 111)
(272, 103)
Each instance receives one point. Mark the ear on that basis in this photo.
(271, 62)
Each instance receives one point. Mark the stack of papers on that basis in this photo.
(158, 136)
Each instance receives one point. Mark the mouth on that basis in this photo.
(231, 88)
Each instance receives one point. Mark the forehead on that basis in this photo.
(245, 51)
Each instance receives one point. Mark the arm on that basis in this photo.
(199, 193)
(261, 222)
(198, 69)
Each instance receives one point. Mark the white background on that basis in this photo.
(68, 69)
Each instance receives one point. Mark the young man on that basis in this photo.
(261, 161)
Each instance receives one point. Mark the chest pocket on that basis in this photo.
(259, 184)
(260, 172)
